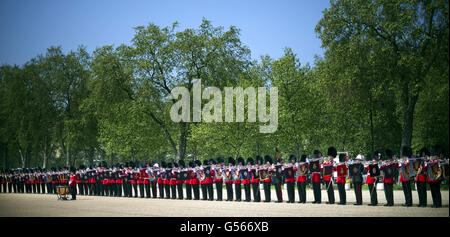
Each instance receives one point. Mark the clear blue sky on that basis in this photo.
(28, 28)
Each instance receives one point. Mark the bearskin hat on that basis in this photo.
(212, 162)
(240, 160)
(250, 160)
(259, 160)
(206, 162)
(220, 160)
(424, 152)
(317, 154)
(332, 151)
(437, 150)
(389, 154)
(267, 158)
(303, 158)
(406, 151)
(198, 163)
(231, 161)
(182, 163)
(292, 158)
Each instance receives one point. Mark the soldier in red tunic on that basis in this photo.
(194, 181)
(73, 184)
(254, 173)
(421, 176)
(290, 178)
(341, 169)
(218, 178)
(315, 178)
(228, 178)
(328, 178)
(404, 178)
(301, 172)
(388, 177)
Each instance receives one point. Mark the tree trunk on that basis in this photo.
(67, 155)
(183, 137)
(408, 105)
(372, 140)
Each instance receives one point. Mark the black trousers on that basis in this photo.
(196, 191)
(38, 188)
(330, 191)
(188, 191)
(73, 190)
(229, 188)
(291, 192)
(86, 188)
(10, 187)
(204, 192)
(118, 190)
(278, 192)
(422, 193)
(388, 192)
(180, 190)
(210, 191)
(173, 188)
(147, 190)
(267, 192)
(373, 194)
(436, 193)
(301, 187)
(135, 188)
(219, 186)
(256, 192)
(141, 190)
(125, 189)
(247, 192)
(167, 190)
(407, 192)
(358, 192)
(238, 190)
(153, 187)
(317, 193)
(34, 188)
(342, 194)
(161, 190)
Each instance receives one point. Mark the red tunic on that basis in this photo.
(390, 180)
(73, 181)
(369, 179)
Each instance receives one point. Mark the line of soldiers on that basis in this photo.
(165, 180)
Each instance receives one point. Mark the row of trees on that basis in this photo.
(382, 83)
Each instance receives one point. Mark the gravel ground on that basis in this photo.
(47, 205)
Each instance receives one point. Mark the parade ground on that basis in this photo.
(47, 205)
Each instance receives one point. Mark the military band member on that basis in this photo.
(237, 178)
(179, 179)
(388, 177)
(202, 178)
(254, 174)
(356, 170)
(328, 178)
(168, 177)
(372, 181)
(147, 180)
(218, 178)
(186, 174)
(315, 177)
(421, 176)
(228, 178)
(301, 171)
(276, 178)
(434, 173)
(342, 172)
(153, 175)
(195, 181)
(290, 179)
(140, 180)
(173, 180)
(265, 175)
(73, 184)
(404, 176)
(161, 176)
(130, 180)
(245, 177)
(119, 180)
(209, 179)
